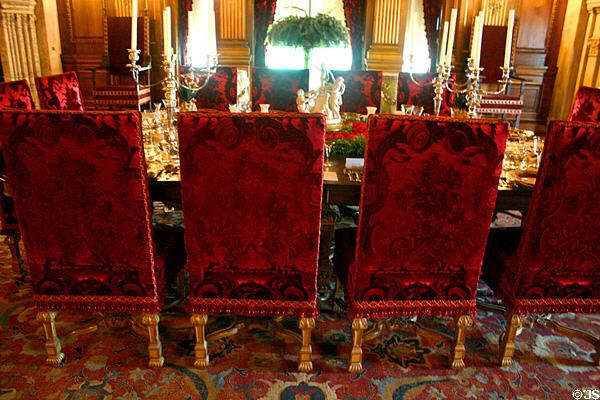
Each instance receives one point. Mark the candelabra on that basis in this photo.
(194, 81)
(473, 90)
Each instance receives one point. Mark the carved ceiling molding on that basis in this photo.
(17, 6)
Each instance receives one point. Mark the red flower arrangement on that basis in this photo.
(349, 130)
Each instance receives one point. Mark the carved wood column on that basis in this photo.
(234, 26)
(386, 25)
(18, 41)
(589, 68)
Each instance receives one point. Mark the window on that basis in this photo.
(202, 42)
(331, 58)
(415, 44)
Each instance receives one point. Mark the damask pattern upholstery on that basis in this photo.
(363, 89)
(80, 187)
(428, 194)
(413, 94)
(59, 92)
(277, 88)
(586, 105)
(251, 192)
(220, 91)
(555, 266)
(16, 94)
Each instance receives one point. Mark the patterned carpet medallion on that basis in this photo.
(253, 365)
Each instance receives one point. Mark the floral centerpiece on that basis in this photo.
(349, 140)
(308, 32)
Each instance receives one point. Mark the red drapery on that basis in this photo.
(433, 21)
(355, 19)
(264, 12)
(184, 7)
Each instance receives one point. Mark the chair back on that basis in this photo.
(277, 87)
(251, 192)
(559, 252)
(422, 94)
(117, 40)
(80, 188)
(16, 94)
(220, 91)
(59, 92)
(493, 43)
(363, 89)
(586, 105)
(428, 193)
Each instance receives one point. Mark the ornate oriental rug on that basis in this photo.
(253, 365)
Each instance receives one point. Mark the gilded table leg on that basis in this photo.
(306, 326)
(462, 323)
(154, 346)
(201, 349)
(358, 327)
(12, 241)
(53, 349)
(507, 339)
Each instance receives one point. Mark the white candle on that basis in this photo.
(442, 50)
(212, 35)
(509, 35)
(479, 36)
(134, 24)
(450, 45)
(189, 46)
(413, 35)
(167, 32)
(475, 29)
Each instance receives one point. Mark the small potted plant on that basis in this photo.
(308, 32)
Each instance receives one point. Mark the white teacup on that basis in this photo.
(371, 110)
(264, 107)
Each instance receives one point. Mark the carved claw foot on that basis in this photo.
(53, 348)
(150, 321)
(201, 348)
(462, 323)
(359, 325)
(507, 339)
(306, 326)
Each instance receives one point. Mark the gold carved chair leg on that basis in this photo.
(201, 349)
(358, 327)
(53, 349)
(306, 326)
(12, 241)
(150, 321)
(507, 339)
(458, 352)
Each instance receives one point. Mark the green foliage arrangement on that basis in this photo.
(349, 147)
(308, 32)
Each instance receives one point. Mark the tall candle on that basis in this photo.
(167, 32)
(479, 36)
(442, 49)
(475, 30)
(134, 9)
(453, 16)
(189, 38)
(509, 35)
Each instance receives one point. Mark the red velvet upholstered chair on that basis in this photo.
(552, 264)
(277, 87)
(219, 92)
(428, 193)
(251, 192)
(80, 188)
(422, 95)
(59, 92)
(363, 89)
(586, 105)
(16, 94)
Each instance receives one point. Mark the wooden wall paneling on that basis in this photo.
(81, 34)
